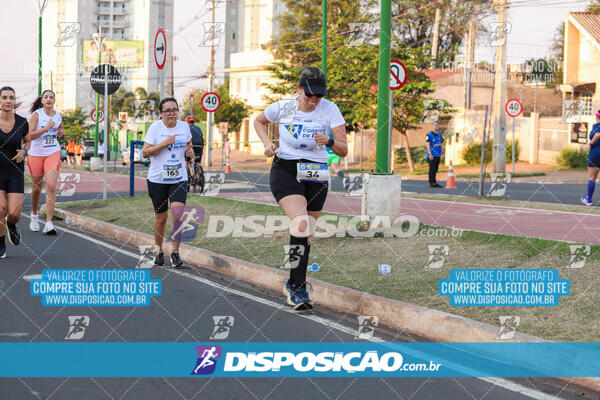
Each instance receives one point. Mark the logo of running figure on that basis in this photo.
(287, 111)
(212, 30)
(431, 111)
(67, 34)
(223, 323)
(499, 33)
(207, 359)
(437, 255)
(579, 253)
(214, 180)
(354, 187)
(186, 227)
(500, 183)
(147, 254)
(292, 255)
(572, 111)
(77, 326)
(508, 327)
(68, 183)
(361, 32)
(366, 326)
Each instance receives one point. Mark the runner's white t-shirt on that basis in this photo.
(168, 165)
(297, 128)
(47, 143)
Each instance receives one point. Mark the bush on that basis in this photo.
(418, 154)
(571, 158)
(471, 154)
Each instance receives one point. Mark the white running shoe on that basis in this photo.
(49, 228)
(34, 225)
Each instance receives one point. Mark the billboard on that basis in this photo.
(120, 53)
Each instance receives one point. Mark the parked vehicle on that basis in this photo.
(88, 149)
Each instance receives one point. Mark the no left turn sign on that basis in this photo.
(514, 108)
(397, 75)
(211, 102)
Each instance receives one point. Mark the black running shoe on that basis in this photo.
(159, 259)
(2, 249)
(13, 233)
(176, 260)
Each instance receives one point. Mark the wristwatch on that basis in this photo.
(330, 143)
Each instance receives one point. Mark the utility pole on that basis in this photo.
(436, 37)
(172, 58)
(469, 63)
(499, 123)
(211, 87)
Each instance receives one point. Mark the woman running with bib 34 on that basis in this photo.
(299, 174)
(45, 127)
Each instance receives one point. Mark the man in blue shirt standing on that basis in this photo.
(433, 142)
(593, 161)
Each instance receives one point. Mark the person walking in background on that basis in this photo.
(593, 161)
(101, 150)
(433, 143)
(78, 158)
(71, 153)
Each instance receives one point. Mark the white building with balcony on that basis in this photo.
(253, 24)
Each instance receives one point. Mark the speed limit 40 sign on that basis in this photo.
(514, 108)
(211, 102)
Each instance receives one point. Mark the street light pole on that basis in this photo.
(324, 38)
(382, 160)
(41, 7)
(98, 40)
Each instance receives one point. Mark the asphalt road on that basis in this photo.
(183, 313)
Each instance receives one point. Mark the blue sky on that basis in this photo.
(531, 35)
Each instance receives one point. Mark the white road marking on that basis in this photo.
(505, 384)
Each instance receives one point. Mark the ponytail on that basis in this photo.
(37, 103)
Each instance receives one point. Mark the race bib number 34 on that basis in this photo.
(49, 140)
(312, 172)
(171, 172)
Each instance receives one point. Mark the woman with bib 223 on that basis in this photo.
(299, 174)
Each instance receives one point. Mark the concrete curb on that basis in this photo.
(432, 324)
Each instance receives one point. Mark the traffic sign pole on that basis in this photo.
(107, 111)
(513, 108)
(513, 146)
(391, 156)
(211, 103)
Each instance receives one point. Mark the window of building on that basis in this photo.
(585, 50)
(587, 100)
(257, 80)
(237, 85)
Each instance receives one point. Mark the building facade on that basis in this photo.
(129, 28)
